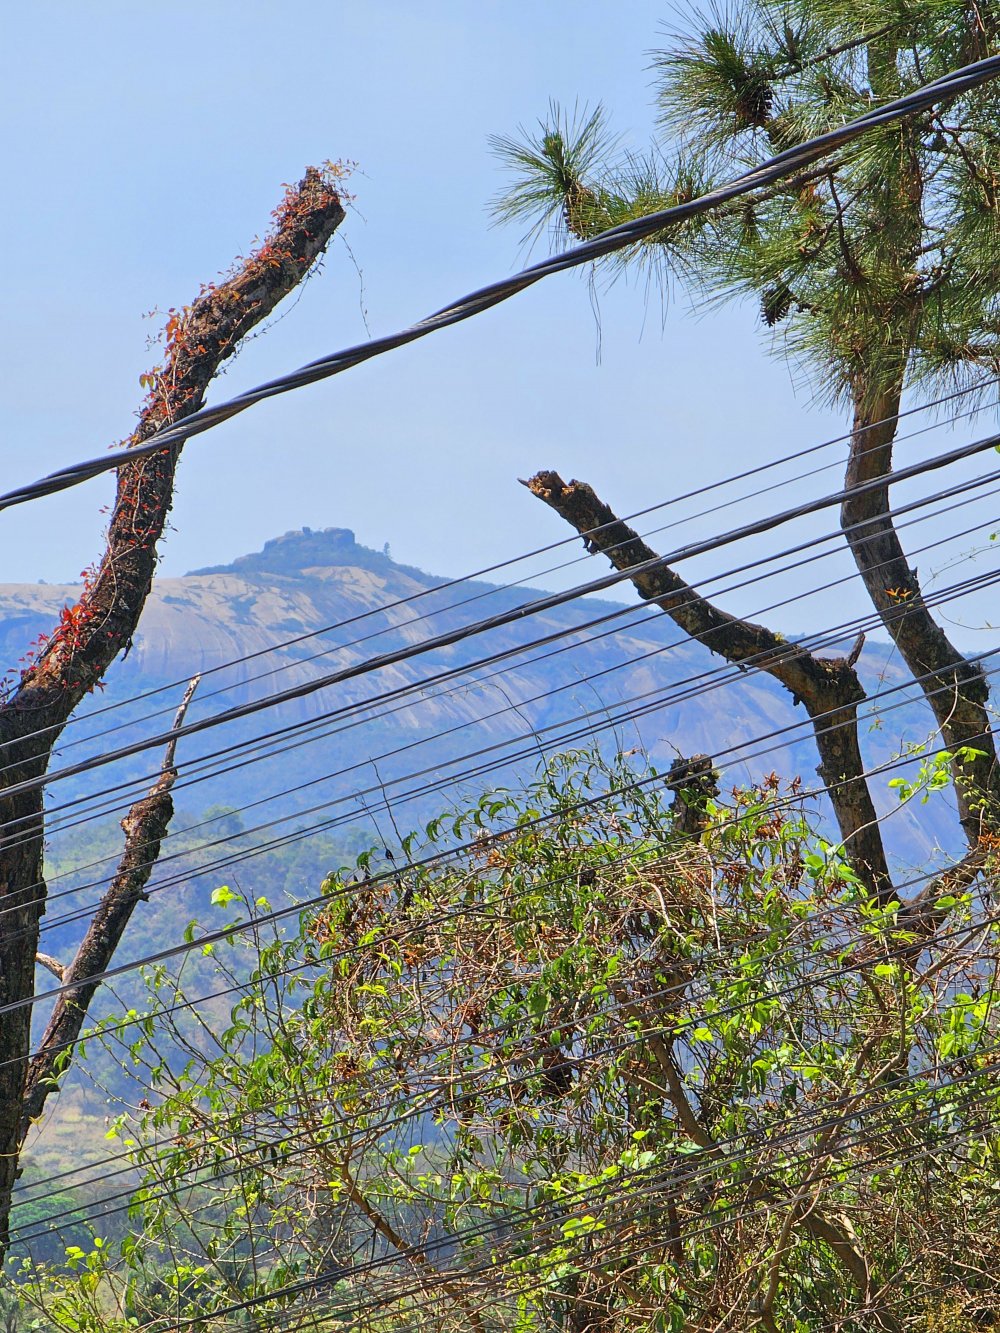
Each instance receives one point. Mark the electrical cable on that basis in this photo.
(363, 705)
(903, 886)
(203, 696)
(696, 962)
(658, 699)
(657, 1187)
(707, 488)
(776, 168)
(282, 912)
(496, 621)
(979, 926)
(689, 1022)
(394, 873)
(226, 932)
(694, 1175)
(655, 857)
(832, 536)
(953, 85)
(668, 1181)
(585, 733)
(729, 672)
(498, 1030)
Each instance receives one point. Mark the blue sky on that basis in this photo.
(146, 147)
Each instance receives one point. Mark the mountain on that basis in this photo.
(311, 603)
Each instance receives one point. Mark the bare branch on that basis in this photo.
(388, 1232)
(144, 826)
(51, 965)
(828, 687)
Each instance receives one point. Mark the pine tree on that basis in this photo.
(875, 273)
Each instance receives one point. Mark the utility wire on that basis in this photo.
(551, 1212)
(201, 770)
(696, 685)
(551, 600)
(660, 699)
(696, 962)
(499, 589)
(815, 1120)
(584, 731)
(656, 700)
(690, 1021)
(490, 1269)
(665, 1181)
(394, 873)
(362, 616)
(254, 923)
(623, 612)
(481, 1037)
(787, 163)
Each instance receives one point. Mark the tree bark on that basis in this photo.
(145, 827)
(92, 633)
(828, 688)
(955, 688)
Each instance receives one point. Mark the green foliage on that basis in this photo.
(596, 1068)
(552, 163)
(935, 773)
(879, 267)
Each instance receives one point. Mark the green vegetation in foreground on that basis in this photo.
(644, 1059)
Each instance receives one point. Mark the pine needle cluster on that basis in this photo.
(878, 269)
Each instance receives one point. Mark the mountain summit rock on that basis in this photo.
(295, 553)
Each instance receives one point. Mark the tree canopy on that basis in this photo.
(878, 268)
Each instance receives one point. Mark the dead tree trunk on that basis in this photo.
(92, 633)
(828, 687)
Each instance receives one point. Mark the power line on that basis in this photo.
(660, 1181)
(696, 961)
(696, 685)
(816, 1119)
(392, 873)
(500, 589)
(363, 704)
(658, 698)
(226, 932)
(450, 637)
(424, 1297)
(692, 1020)
(201, 770)
(743, 753)
(783, 164)
(480, 1037)
(951, 86)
